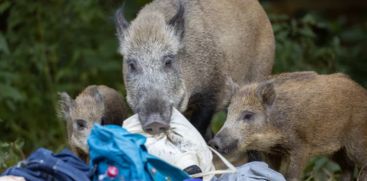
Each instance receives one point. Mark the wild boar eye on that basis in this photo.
(247, 115)
(168, 61)
(81, 124)
(131, 64)
(132, 67)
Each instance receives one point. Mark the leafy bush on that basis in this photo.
(325, 46)
(47, 47)
(10, 153)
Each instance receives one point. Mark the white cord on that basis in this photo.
(231, 168)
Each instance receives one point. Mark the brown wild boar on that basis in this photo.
(179, 53)
(297, 116)
(95, 104)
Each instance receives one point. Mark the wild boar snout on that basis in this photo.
(155, 115)
(155, 124)
(216, 143)
(223, 143)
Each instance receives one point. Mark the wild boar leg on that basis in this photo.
(297, 161)
(203, 114)
(356, 149)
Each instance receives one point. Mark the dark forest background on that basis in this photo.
(58, 45)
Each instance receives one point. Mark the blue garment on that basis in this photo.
(252, 171)
(43, 165)
(113, 145)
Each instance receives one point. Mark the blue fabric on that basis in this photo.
(43, 165)
(113, 145)
(252, 171)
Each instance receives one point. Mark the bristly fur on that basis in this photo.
(151, 34)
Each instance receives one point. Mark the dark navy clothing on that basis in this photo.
(43, 165)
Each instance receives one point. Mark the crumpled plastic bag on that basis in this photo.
(182, 145)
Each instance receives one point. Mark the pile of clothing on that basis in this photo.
(128, 154)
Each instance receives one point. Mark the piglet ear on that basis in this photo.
(266, 93)
(230, 90)
(231, 85)
(97, 96)
(66, 104)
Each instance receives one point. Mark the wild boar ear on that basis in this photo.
(178, 20)
(97, 97)
(266, 93)
(121, 23)
(66, 104)
(233, 86)
(230, 88)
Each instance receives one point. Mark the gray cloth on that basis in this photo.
(253, 171)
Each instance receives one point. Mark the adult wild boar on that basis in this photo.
(95, 104)
(297, 116)
(181, 53)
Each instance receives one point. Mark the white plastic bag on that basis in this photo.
(182, 145)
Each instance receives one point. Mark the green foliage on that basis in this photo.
(47, 47)
(321, 168)
(52, 46)
(10, 153)
(324, 46)
(218, 121)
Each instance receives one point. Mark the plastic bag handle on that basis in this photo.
(231, 168)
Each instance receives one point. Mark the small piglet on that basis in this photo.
(95, 104)
(296, 116)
